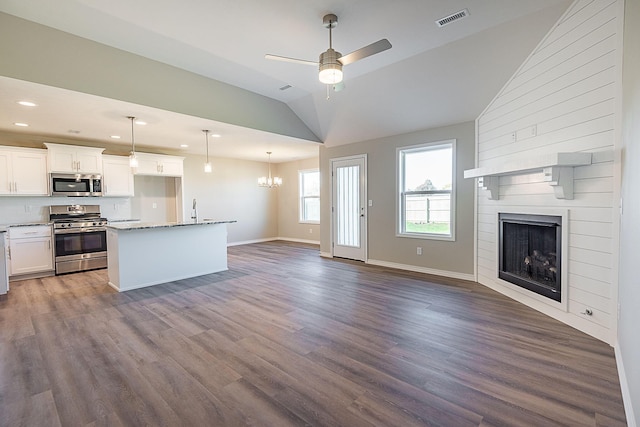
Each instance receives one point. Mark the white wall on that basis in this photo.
(231, 192)
(289, 227)
(628, 347)
(568, 90)
(154, 199)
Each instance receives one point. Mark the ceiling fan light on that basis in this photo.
(330, 67)
(330, 75)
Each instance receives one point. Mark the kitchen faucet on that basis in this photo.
(194, 212)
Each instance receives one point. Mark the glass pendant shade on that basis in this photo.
(133, 160)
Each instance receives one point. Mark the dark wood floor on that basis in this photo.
(288, 338)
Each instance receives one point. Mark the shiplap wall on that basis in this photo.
(564, 98)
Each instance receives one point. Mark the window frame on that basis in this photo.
(400, 195)
(302, 197)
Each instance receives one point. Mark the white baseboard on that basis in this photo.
(418, 269)
(624, 386)
(248, 242)
(271, 239)
(326, 254)
(292, 239)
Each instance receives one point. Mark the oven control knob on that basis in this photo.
(63, 225)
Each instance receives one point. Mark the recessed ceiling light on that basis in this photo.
(140, 122)
(24, 125)
(184, 146)
(115, 136)
(28, 103)
(215, 135)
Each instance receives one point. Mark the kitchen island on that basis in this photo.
(146, 254)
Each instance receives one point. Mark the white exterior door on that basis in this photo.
(349, 213)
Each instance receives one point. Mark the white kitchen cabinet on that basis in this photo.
(74, 159)
(117, 177)
(23, 172)
(30, 250)
(159, 164)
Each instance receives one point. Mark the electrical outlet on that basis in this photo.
(154, 205)
(370, 203)
(311, 231)
(419, 250)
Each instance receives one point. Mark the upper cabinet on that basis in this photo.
(23, 172)
(117, 179)
(159, 164)
(74, 159)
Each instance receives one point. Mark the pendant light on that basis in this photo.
(269, 181)
(207, 166)
(133, 161)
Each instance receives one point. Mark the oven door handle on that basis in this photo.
(77, 230)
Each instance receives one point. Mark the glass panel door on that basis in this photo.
(349, 212)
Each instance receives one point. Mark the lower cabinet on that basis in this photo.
(30, 251)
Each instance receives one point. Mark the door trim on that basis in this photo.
(365, 228)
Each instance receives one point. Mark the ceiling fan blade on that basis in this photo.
(372, 49)
(287, 59)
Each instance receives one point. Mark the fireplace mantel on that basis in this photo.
(557, 169)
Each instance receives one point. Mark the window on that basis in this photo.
(309, 196)
(426, 190)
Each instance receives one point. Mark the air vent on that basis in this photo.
(285, 87)
(451, 18)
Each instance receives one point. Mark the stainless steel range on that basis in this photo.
(80, 238)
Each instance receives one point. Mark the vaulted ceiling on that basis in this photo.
(432, 75)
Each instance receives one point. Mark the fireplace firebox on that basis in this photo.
(529, 252)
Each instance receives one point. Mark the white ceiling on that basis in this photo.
(431, 77)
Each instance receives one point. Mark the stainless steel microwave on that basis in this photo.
(76, 185)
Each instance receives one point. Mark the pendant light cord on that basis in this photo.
(133, 142)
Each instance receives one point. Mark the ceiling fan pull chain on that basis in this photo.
(328, 92)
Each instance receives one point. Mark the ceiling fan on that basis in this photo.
(331, 62)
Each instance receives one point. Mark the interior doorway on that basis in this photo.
(349, 207)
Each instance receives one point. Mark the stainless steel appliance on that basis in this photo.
(80, 238)
(76, 185)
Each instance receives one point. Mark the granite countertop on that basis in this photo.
(148, 225)
(115, 221)
(25, 224)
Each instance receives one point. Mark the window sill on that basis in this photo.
(424, 236)
(309, 222)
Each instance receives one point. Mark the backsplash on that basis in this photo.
(15, 209)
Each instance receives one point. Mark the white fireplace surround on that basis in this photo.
(563, 261)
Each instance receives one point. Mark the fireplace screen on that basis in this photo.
(530, 248)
